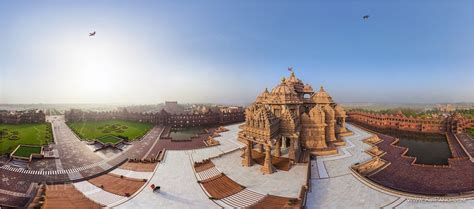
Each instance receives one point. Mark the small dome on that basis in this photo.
(322, 97)
(317, 114)
(308, 88)
(263, 96)
(340, 112)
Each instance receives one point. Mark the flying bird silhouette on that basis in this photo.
(365, 17)
(92, 34)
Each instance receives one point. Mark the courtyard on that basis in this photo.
(127, 130)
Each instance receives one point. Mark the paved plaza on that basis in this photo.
(332, 179)
(179, 187)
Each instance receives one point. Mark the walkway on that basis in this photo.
(468, 143)
(179, 187)
(334, 186)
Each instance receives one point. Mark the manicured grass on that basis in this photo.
(90, 130)
(471, 132)
(32, 134)
(26, 151)
(109, 139)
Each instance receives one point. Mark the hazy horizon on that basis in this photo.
(148, 52)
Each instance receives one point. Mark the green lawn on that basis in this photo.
(26, 151)
(33, 134)
(109, 139)
(471, 131)
(90, 130)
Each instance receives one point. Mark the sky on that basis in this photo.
(216, 51)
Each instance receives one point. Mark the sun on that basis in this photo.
(96, 68)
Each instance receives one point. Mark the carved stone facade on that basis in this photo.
(295, 117)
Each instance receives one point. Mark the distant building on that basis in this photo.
(18, 117)
(455, 122)
(445, 108)
(175, 120)
(173, 107)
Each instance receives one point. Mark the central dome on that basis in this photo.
(284, 94)
(283, 88)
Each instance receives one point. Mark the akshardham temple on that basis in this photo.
(292, 116)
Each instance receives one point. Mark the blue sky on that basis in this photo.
(229, 51)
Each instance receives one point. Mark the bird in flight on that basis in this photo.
(365, 17)
(92, 34)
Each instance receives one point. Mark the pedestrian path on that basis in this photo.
(102, 164)
(132, 174)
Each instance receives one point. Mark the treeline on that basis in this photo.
(469, 112)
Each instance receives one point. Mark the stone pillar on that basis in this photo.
(278, 149)
(267, 167)
(291, 150)
(320, 138)
(248, 161)
(297, 149)
(343, 125)
(330, 133)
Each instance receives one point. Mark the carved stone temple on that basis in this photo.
(290, 121)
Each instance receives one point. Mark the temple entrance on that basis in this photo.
(280, 163)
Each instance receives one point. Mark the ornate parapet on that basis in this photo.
(399, 122)
(371, 166)
(221, 129)
(210, 141)
(374, 139)
(375, 151)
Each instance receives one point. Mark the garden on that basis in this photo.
(127, 130)
(12, 135)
